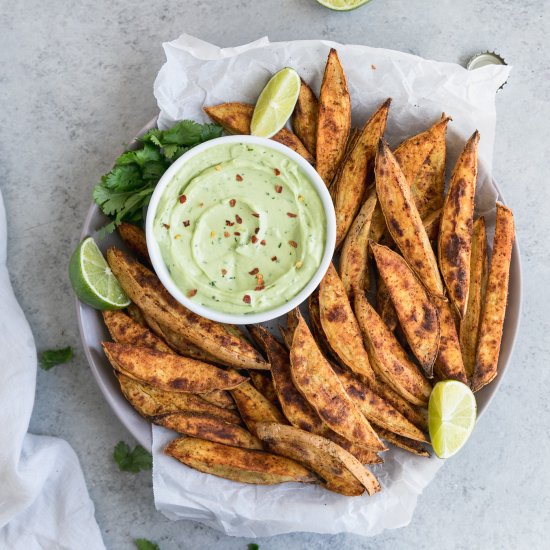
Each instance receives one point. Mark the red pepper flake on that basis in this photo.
(226, 234)
(186, 223)
(278, 189)
(246, 299)
(254, 239)
(183, 199)
(238, 177)
(229, 223)
(224, 272)
(238, 233)
(259, 287)
(274, 258)
(260, 279)
(232, 203)
(238, 218)
(255, 214)
(277, 171)
(262, 242)
(192, 293)
(254, 271)
(291, 215)
(293, 244)
(166, 225)
(257, 230)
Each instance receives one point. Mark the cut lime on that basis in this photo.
(342, 5)
(92, 278)
(276, 103)
(451, 416)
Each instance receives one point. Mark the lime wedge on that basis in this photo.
(342, 5)
(92, 278)
(276, 103)
(451, 416)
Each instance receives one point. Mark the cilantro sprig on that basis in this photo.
(132, 461)
(52, 357)
(127, 188)
(144, 544)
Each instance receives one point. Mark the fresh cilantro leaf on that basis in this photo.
(51, 358)
(253, 546)
(132, 461)
(144, 544)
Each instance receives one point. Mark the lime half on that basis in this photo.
(92, 278)
(276, 103)
(451, 416)
(342, 5)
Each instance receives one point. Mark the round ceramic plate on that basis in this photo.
(93, 332)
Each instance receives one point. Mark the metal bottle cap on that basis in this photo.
(485, 58)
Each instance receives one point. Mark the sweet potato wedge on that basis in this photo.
(263, 382)
(220, 398)
(431, 225)
(340, 470)
(411, 154)
(317, 328)
(455, 229)
(244, 465)
(304, 117)
(147, 292)
(384, 306)
(357, 171)
(496, 298)
(134, 238)
(334, 120)
(235, 119)
(469, 326)
(168, 371)
(340, 326)
(403, 220)
(417, 314)
(135, 314)
(403, 443)
(388, 358)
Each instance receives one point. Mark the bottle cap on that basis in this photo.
(485, 58)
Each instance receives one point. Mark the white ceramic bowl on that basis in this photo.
(233, 318)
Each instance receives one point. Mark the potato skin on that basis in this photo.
(304, 117)
(496, 298)
(134, 238)
(403, 443)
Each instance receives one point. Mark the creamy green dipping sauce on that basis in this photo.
(240, 228)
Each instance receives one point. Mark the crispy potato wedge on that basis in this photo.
(209, 427)
(403, 221)
(314, 378)
(479, 269)
(384, 306)
(235, 118)
(496, 298)
(263, 382)
(134, 238)
(449, 362)
(431, 225)
(168, 371)
(357, 171)
(334, 120)
(304, 117)
(340, 470)
(340, 326)
(388, 358)
(403, 442)
(135, 313)
(354, 257)
(147, 292)
(150, 401)
(317, 328)
(244, 465)
(417, 314)
(220, 398)
(411, 154)
(455, 229)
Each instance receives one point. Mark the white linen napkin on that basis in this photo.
(44, 502)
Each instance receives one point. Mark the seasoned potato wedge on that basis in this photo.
(263, 382)
(412, 153)
(304, 117)
(317, 382)
(417, 314)
(168, 371)
(209, 427)
(220, 398)
(384, 306)
(150, 401)
(479, 268)
(134, 238)
(135, 314)
(357, 171)
(431, 225)
(317, 327)
(387, 357)
(455, 229)
(403, 442)
(496, 298)
(340, 326)
(403, 221)
(244, 465)
(147, 292)
(340, 470)
(235, 118)
(334, 120)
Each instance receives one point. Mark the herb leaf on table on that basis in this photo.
(144, 544)
(52, 357)
(132, 461)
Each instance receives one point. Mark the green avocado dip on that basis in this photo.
(240, 228)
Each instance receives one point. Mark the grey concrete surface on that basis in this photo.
(76, 82)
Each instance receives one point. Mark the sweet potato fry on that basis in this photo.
(384, 306)
(168, 371)
(403, 442)
(403, 220)
(244, 465)
(455, 230)
(235, 119)
(220, 398)
(134, 238)
(387, 357)
(317, 328)
(304, 117)
(340, 470)
(135, 313)
(334, 120)
(417, 314)
(496, 297)
(431, 225)
(263, 382)
(469, 326)
(412, 153)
